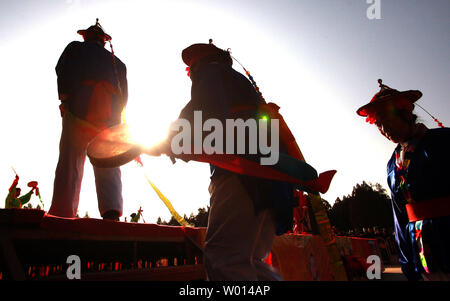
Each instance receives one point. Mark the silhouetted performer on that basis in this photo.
(246, 212)
(92, 87)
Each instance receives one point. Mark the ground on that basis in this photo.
(393, 273)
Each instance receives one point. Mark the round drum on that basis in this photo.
(113, 147)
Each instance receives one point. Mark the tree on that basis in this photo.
(367, 206)
(199, 220)
(172, 222)
(326, 205)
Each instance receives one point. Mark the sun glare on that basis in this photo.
(144, 129)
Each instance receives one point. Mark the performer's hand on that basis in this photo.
(158, 149)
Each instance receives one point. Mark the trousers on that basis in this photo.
(237, 240)
(69, 173)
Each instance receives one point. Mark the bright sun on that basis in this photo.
(144, 130)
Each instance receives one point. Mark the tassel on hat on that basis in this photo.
(401, 100)
(96, 29)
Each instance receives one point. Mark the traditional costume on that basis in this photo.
(418, 177)
(92, 85)
(246, 212)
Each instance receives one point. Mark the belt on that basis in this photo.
(428, 209)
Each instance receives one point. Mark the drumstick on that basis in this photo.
(14, 170)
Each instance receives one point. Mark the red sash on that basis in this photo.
(428, 209)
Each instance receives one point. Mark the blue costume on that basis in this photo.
(420, 173)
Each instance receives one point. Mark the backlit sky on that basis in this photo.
(319, 60)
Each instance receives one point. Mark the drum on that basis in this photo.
(113, 147)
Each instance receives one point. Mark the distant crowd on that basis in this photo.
(385, 240)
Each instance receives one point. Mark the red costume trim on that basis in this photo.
(428, 209)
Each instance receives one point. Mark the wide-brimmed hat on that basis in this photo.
(387, 95)
(96, 30)
(196, 52)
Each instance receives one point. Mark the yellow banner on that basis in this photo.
(169, 206)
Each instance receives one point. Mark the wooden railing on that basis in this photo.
(35, 246)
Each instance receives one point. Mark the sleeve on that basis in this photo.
(124, 84)
(404, 245)
(402, 237)
(67, 69)
(11, 193)
(186, 111)
(26, 198)
(437, 153)
(10, 197)
(208, 94)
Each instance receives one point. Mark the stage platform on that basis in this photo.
(36, 246)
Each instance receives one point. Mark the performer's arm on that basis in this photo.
(26, 198)
(67, 71)
(12, 192)
(124, 86)
(208, 96)
(405, 255)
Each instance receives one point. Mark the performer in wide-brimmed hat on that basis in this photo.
(92, 87)
(95, 32)
(418, 177)
(243, 220)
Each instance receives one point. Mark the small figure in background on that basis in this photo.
(14, 200)
(135, 217)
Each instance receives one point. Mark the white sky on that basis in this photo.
(319, 60)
